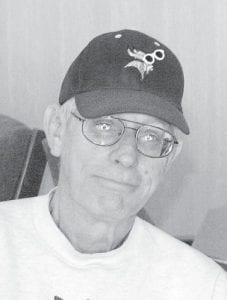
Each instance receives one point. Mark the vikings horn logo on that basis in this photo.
(144, 61)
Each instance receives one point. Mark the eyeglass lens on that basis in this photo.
(103, 131)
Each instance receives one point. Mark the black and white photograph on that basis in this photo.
(113, 150)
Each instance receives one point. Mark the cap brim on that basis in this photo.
(112, 101)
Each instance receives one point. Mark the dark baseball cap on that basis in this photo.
(126, 72)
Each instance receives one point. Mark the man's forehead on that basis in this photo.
(142, 118)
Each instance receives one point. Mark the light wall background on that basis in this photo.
(40, 38)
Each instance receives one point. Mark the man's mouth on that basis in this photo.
(116, 184)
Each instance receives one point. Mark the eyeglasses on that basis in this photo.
(151, 141)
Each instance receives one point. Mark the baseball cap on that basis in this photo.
(126, 72)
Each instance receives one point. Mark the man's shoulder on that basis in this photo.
(175, 253)
(179, 268)
(19, 210)
(23, 203)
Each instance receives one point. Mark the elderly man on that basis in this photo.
(117, 130)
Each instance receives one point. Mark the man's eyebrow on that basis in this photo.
(155, 124)
(126, 120)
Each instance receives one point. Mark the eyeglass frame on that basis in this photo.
(175, 142)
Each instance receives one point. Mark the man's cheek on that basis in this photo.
(146, 185)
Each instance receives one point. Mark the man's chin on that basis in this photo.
(111, 202)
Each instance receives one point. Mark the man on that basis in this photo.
(117, 129)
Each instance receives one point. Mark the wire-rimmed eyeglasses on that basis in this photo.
(151, 141)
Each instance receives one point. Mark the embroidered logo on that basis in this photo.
(144, 61)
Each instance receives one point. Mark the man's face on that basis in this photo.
(109, 182)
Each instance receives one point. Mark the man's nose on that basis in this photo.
(125, 150)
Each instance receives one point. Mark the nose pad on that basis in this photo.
(125, 151)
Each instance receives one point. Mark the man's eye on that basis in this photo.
(103, 126)
(150, 137)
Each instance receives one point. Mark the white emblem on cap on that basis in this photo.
(144, 61)
(118, 36)
(156, 43)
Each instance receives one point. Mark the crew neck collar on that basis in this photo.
(58, 243)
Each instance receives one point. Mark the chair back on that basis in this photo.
(22, 159)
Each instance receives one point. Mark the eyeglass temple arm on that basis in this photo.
(80, 119)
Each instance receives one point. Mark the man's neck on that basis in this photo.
(86, 233)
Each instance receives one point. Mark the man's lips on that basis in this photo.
(117, 184)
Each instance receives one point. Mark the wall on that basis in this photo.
(40, 38)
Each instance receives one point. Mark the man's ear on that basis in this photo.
(54, 127)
